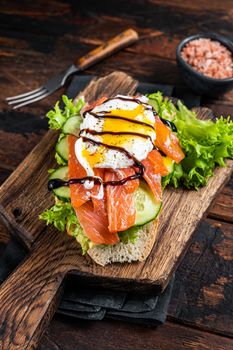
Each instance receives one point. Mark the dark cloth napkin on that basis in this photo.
(87, 302)
(96, 303)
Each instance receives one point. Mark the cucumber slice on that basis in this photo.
(71, 126)
(146, 207)
(62, 148)
(63, 192)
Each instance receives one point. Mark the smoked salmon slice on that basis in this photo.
(120, 205)
(153, 173)
(95, 225)
(155, 161)
(92, 214)
(167, 142)
(78, 193)
(154, 182)
(154, 170)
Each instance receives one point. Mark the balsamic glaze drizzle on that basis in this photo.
(56, 183)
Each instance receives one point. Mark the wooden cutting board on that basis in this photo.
(29, 297)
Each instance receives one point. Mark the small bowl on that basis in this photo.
(199, 83)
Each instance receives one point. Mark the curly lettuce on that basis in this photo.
(205, 143)
(62, 216)
(58, 116)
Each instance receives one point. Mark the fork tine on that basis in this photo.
(24, 95)
(33, 100)
(27, 98)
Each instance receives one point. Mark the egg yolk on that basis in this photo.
(134, 114)
(94, 158)
(119, 125)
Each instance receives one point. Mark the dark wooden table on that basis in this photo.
(39, 39)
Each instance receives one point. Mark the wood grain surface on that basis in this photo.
(202, 295)
(32, 34)
(82, 335)
(25, 195)
(19, 208)
(30, 296)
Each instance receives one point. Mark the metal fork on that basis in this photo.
(115, 44)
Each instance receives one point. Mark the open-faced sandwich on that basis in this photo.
(115, 158)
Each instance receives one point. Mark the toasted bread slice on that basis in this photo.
(128, 252)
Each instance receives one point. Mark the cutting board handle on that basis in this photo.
(117, 43)
(30, 296)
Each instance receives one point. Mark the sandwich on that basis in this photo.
(115, 158)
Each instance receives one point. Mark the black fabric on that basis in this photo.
(147, 88)
(97, 303)
(188, 97)
(93, 316)
(151, 317)
(78, 84)
(87, 302)
(84, 295)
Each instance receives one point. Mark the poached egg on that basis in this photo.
(92, 156)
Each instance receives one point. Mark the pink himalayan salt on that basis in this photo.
(209, 57)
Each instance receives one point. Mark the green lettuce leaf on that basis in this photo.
(130, 235)
(58, 215)
(62, 216)
(163, 106)
(205, 143)
(57, 116)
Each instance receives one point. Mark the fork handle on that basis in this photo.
(108, 48)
